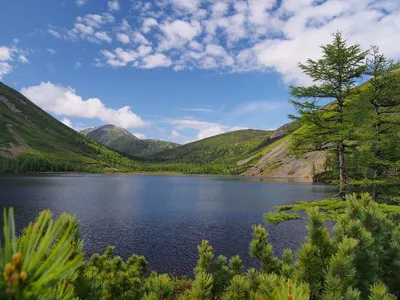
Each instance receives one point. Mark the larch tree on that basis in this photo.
(383, 95)
(334, 76)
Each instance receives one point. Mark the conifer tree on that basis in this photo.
(383, 94)
(334, 76)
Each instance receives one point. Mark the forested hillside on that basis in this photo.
(226, 148)
(32, 140)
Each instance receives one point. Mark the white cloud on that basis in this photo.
(96, 20)
(205, 129)
(236, 128)
(83, 29)
(148, 24)
(113, 5)
(103, 36)
(194, 45)
(189, 5)
(219, 53)
(257, 11)
(175, 133)
(125, 25)
(259, 106)
(144, 50)
(54, 33)
(5, 68)
(52, 51)
(78, 64)
(5, 53)
(209, 132)
(179, 32)
(63, 101)
(140, 39)
(123, 38)
(219, 9)
(87, 28)
(245, 35)
(126, 56)
(119, 57)
(139, 135)
(155, 61)
(198, 109)
(7, 59)
(80, 2)
(23, 59)
(67, 122)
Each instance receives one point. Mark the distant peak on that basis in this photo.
(108, 126)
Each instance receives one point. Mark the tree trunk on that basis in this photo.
(377, 154)
(342, 179)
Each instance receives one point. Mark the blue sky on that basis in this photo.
(177, 70)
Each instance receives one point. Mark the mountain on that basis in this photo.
(32, 140)
(122, 140)
(223, 149)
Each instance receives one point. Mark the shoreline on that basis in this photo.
(277, 178)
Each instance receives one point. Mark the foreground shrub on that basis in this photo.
(42, 262)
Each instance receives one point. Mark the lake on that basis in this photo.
(163, 218)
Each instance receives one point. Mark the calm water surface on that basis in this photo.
(162, 217)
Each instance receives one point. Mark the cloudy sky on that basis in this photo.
(178, 70)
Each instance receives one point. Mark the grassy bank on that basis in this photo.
(330, 208)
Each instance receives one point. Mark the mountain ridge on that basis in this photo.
(124, 141)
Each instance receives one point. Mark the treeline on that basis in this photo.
(111, 163)
(39, 164)
(361, 126)
(184, 168)
(361, 260)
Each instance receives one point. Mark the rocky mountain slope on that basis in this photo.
(272, 157)
(122, 140)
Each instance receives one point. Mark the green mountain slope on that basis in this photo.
(32, 140)
(122, 140)
(226, 148)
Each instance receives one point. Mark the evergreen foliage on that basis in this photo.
(361, 260)
(336, 74)
(43, 261)
(383, 96)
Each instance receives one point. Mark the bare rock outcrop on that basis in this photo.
(278, 162)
